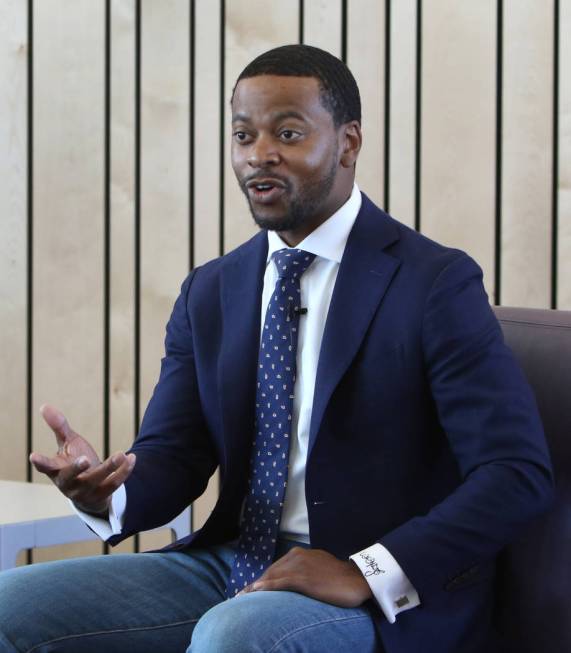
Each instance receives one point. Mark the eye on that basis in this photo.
(241, 137)
(289, 135)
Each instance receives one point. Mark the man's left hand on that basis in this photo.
(316, 574)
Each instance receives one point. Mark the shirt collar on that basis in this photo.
(330, 238)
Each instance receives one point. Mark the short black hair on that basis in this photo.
(339, 90)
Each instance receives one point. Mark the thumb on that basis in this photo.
(57, 422)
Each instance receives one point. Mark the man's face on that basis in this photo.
(286, 154)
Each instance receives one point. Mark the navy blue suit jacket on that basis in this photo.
(424, 434)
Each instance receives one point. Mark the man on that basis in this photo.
(377, 444)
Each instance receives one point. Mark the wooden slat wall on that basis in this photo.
(13, 245)
(207, 132)
(402, 115)
(68, 124)
(458, 129)
(527, 147)
(120, 390)
(208, 139)
(323, 26)
(115, 177)
(165, 213)
(363, 27)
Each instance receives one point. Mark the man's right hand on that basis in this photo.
(77, 470)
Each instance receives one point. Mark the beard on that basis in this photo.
(302, 207)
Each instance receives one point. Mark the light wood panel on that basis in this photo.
(402, 111)
(564, 185)
(366, 59)
(527, 153)
(13, 245)
(322, 24)
(207, 182)
(458, 128)
(122, 231)
(252, 27)
(207, 137)
(68, 219)
(165, 241)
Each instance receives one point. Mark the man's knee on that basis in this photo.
(233, 626)
(282, 622)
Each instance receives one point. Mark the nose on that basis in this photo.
(263, 152)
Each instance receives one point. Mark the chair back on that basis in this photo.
(533, 609)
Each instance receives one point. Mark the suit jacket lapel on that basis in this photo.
(241, 288)
(364, 276)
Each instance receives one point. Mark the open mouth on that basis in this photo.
(265, 191)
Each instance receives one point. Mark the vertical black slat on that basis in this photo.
(192, 69)
(222, 125)
(30, 250)
(301, 21)
(30, 242)
(499, 150)
(222, 139)
(106, 236)
(106, 230)
(191, 145)
(418, 117)
(137, 284)
(387, 121)
(555, 172)
(344, 20)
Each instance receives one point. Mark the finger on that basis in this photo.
(280, 568)
(276, 584)
(118, 477)
(97, 475)
(87, 492)
(246, 590)
(267, 574)
(44, 464)
(57, 422)
(66, 478)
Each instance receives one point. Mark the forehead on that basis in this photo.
(264, 95)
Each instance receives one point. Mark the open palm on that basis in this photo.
(76, 468)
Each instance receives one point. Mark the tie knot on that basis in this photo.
(292, 263)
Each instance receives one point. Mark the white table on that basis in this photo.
(36, 514)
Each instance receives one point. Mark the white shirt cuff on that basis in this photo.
(391, 588)
(105, 528)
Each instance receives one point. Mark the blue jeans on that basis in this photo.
(166, 601)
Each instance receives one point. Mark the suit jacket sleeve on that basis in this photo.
(175, 454)
(489, 416)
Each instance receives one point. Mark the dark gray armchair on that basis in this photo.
(533, 607)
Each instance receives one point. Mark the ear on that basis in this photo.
(351, 140)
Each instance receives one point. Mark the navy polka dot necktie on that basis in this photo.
(274, 402)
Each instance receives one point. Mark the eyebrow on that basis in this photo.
(281, 115)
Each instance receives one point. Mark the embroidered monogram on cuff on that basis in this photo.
(391, 588)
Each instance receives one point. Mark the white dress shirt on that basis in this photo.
(388, 582)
